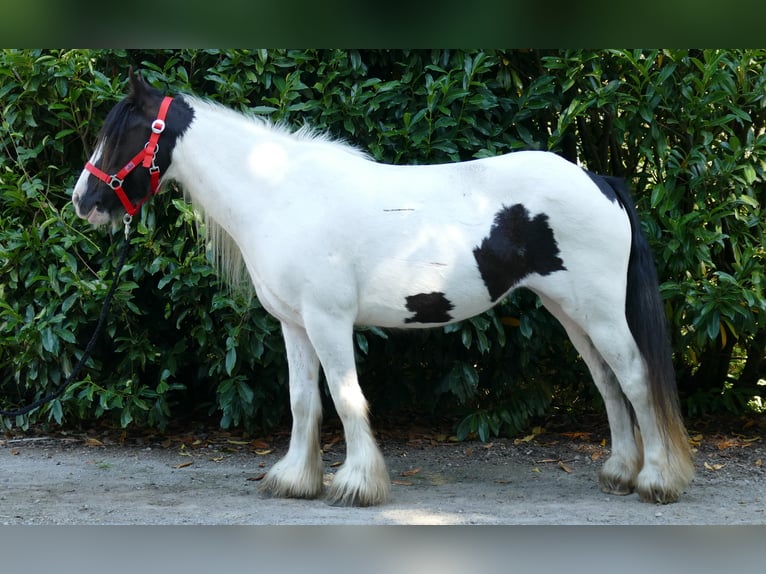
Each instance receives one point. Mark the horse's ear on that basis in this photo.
(138, 88)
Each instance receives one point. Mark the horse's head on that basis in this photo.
(121, 174)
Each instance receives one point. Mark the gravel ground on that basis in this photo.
(212, 479)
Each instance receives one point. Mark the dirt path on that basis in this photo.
(541, 479)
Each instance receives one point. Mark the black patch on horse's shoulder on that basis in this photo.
(429, 308)
(179, 120)
(516, 246)
(607, 184)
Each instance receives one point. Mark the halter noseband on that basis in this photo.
(146, 157)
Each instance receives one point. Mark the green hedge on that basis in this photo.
(685, 127)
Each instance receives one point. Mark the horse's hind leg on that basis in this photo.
(363, 479)
(299, 473)
(619, 472)
(667, 468)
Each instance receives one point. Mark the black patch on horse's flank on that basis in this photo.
(429, 308)
(517, 246)
(606, 184)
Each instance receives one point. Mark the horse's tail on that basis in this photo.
(645, 314)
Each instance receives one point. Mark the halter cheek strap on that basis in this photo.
(147, 158)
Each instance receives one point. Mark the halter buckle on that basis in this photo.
(158, 126)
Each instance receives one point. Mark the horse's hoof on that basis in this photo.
(275, 486)
(654, 486)
(345, 501)
(617, 477)
(616, 488)
(658, 495)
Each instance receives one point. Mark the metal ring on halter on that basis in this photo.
(154, 167)
(156, 147)
(114, 182)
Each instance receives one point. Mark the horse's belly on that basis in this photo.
(424, 294)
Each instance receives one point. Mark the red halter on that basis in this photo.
(147, 157)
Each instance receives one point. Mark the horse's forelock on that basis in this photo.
(112, 131)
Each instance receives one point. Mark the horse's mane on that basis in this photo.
(304, 133)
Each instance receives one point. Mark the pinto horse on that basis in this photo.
(332, 239)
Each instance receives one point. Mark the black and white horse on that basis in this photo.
(332, 239)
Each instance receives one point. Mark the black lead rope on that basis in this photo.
(89, 348)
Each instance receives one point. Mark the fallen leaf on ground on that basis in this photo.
(527, 438)
(401, 482)
(93, 442)
(597, 455)
(578, 435)
(240, 442)
(184, 464)
(696, 440)
(736, 441)
(264, 452)
(564, 467)
(15, 452)
(257, 477)
(335, 464)
(412, 472)
(259, 443)
(759, 462)
(716, 466)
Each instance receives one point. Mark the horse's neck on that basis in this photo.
(226, 163)
(240, 171)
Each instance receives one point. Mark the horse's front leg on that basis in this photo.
(363, 479)
(299, 473)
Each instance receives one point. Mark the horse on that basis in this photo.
(332, 239)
